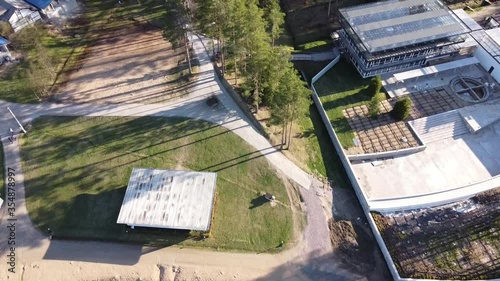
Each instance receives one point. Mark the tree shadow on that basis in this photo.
(258, 201)
(89, 222)
(323, 267)
(334, 168)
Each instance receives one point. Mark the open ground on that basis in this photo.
(125, 65)
(92, 261)
(77, 171)
(68, 260)
(455, 241)
(125, 58)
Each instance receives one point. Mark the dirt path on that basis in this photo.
(132, 64)
(486, 11)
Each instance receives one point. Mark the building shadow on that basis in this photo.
(96, 252)
(326, 267)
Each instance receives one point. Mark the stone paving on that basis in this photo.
(384, 133)
(379, 134)
(434, 101)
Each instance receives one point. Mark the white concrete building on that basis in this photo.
(169, 199)
(488, 51)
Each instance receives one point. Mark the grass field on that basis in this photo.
(77, 170)
(322, 156)
(316, 46)
(15, 84)
(341, 87)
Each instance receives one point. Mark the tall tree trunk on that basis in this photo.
(219, 42)
(256, 95)
(283, 139)
(235, 70)
(213, 47)
(188, 54)
(285, 131)
(287, 118)
(235, 60)
(222, 58)
(292, 117)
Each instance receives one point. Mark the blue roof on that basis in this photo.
(3, 41)
(40, 4)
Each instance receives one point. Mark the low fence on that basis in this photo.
(386, 154)
(323, 56)
(241, 104)
(434, 199)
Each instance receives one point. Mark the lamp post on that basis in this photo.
(20, 126)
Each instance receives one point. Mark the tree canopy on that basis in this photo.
(246, 31)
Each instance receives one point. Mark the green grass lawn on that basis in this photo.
(77, 170)
(15, 84)
(342, 87)
(316, 46)
(322, 155)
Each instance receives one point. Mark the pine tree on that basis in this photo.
(177, 27)
(275, 18)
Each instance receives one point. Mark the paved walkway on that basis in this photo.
(322, 56)
(33, 248)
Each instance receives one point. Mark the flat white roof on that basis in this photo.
(467, 19)
(435, 69)
(169, 199)
(494, 33)
(393, 24)
(444, 165)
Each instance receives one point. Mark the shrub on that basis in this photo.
(5, 29)
(374, 105)
(27, 38)
(374, 86)
(402, 109)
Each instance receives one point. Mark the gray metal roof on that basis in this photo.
(489, 40)
(467, 19)
(169, 199)
(397, 23)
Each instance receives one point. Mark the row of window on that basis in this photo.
(408, 56)
(379, 71)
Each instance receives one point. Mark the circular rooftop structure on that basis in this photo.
(470, 89)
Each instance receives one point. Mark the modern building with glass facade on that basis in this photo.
(395, 35)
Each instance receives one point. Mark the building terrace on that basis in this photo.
(387, 36)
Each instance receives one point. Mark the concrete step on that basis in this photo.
(441, 126)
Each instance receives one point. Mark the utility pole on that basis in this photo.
(21, 126)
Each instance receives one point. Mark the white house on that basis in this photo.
(18, 13)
